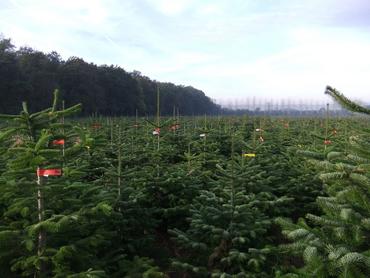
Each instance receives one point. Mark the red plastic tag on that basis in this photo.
(327, 142)
(96, 125)
(58, 142)
(49, 172)
(157, 131)
(174, 127)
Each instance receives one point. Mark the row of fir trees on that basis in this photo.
(220, 197)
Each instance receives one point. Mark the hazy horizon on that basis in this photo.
(228, 49)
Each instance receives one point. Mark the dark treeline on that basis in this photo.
(30, 75)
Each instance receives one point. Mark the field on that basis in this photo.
(183, 196)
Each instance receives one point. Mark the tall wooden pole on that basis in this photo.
(119, 162)
(158, 118)
(42, 234)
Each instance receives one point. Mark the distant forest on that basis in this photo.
(31, 75)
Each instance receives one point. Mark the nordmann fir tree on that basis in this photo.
(227, 224)
(26, 219)
(336, 243)
(133, 223)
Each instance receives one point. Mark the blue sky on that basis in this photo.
(227, 48)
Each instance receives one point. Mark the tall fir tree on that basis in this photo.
(26, 219)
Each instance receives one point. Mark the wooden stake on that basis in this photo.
(63, 147)
(158, 117)
(326, 123)
(158, 112)
(119, 162)
(42, 234)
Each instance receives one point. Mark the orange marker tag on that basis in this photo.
(58, 142)
(49, 172)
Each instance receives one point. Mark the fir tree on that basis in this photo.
(227, 224)
(335, 244)
(28, 137)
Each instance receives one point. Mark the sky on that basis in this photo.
(230, 49)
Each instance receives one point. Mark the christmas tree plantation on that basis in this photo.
(183, 196)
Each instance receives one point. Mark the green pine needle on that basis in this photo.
(345, 102)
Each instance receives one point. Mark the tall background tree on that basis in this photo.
(30, 75)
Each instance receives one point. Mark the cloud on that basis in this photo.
(234, 48)
(170, 7)
(315, 61)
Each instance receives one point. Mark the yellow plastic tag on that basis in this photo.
(249, 154)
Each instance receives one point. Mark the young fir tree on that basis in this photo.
(26, 219)
(336, 243)
(133, 223)
(227, 224)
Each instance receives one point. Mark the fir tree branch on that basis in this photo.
(346, 102)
